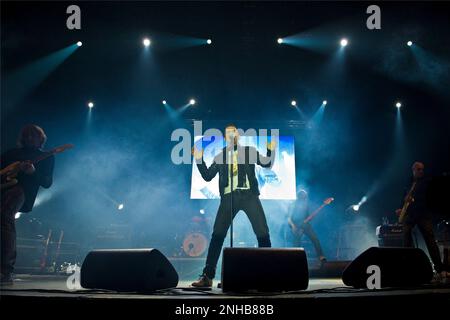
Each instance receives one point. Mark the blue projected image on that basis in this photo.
(277, 182)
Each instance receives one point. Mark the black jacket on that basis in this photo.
(43, 176)
(248, 157)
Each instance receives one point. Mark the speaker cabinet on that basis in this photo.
(264, 269)
(127, 270)
(399, 267)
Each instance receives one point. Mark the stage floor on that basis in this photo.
(56, 286)
(52, 284)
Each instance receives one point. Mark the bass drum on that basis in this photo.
(195, 244)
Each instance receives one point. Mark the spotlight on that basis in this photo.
(209, 41)
(146, 42)
(164, 102)
(398, 104)
(192, 102)
(79, 43)
(324, 102)
(280, 41)
(344, 42)
(90, 104)
(17, 215)
(120, 206)
(355, 207)
(409, 43)
(293, 103)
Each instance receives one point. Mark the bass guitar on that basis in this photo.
(9, 173)
(300, 230)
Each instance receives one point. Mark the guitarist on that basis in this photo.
(21, 196)
(418, 214)
(296, 221)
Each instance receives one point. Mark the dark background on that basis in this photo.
(122, 152)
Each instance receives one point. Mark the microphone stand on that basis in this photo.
(231, 194)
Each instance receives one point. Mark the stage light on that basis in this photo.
(192, 102)
(120, 206)
(202, 211)
(409, 43)
(17, 216)
(293, 103)
(324, 102)
(209, 41)
(280, 41)
(164, 102)
(398, 104)
(146, 42)
(79, 43)
(90, 104)
(344, 42)
(355, 207)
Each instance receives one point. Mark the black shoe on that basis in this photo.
(203, 282)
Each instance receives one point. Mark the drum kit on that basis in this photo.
(195, 242)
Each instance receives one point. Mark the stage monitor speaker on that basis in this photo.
(128, 270)
(264, 269)
(399, 267)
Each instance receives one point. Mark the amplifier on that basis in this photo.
(390, 235)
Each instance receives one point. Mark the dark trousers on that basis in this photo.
(251, 205)
(425, 226)
(308, 231)
(12, 201)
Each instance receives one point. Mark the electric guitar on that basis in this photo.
(408, 200)
(9, 173)
(300, 230)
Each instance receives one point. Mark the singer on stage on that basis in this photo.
(242, 193)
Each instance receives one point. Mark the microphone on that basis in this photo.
(233, 144)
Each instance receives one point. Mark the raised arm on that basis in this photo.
(267, 161)
(207, 173)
